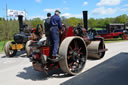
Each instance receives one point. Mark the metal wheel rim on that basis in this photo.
(75, 57)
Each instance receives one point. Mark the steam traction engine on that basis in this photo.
(76, 46)
(20, 40)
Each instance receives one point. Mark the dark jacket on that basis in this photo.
(56, 21)
(47, 25)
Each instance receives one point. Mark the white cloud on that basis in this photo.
(85, 3)
(63, 9)
(53, 10)
(68, 15)
(125, 5)
(38, 1)
(124, 9)
(103, 11)
(108, 2)
(65, 2)
(32, 17)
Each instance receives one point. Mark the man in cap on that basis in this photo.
(56, 25)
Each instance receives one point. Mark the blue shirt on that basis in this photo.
(56, 21)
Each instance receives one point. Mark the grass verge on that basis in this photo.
(114, 40)
(2, 43)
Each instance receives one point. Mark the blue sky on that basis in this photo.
(69, 8)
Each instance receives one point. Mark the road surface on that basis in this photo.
(19, 71)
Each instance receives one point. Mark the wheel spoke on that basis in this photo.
(75, 43)
(69, 57)
(70, 48)
(80, 53)
(70, 65)
(79, 50)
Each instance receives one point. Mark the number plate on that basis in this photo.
(17, 46)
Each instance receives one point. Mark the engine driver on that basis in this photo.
(56, 25)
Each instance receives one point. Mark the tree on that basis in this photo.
(65, 21)
(121, 19)
(92, 23)
(74, 21)
(36, 21)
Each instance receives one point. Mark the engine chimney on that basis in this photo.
(20, 19)
(85, 19)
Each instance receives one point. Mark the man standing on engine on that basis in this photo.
(47, 27)
(56, 24)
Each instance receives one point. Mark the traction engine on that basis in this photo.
(76, 45)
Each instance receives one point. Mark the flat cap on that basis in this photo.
(57, 11)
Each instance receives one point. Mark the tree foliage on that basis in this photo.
(72, 21)
(92, 23)
(9, 27)
(36, 21)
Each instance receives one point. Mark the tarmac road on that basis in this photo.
(19, 71)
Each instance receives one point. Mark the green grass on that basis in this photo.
(96, 28)
(2, 43)
(114, 40)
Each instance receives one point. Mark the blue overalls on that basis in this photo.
(56, 24)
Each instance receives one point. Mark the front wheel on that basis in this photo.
(8, 49)
(101, 54)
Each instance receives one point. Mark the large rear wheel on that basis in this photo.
(74, 51)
